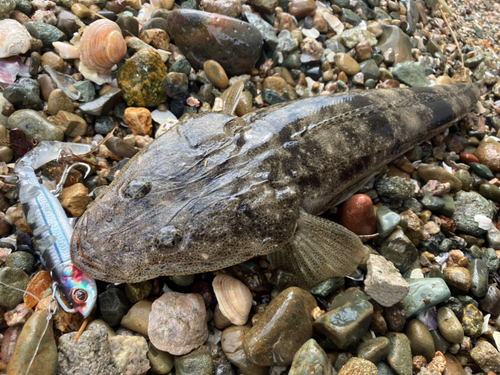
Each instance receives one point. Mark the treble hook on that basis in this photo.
(67, 170)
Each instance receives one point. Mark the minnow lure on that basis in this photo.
(52, 229)
(217, 190)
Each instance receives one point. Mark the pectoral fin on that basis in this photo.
(319, 250)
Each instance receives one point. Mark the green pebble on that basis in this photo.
(491, 259)
(22, 260)
(490, 191)
(467, 300)
(325, 288)
(449, 206)
(271, 97)
(464, 177)
(198, 362)
(400, 357)
(137, 291)
(35, 125)
(475, 252)
(432, 202)
(424, 294)
(445, 245)
(310, 359)
(387, 221)
(87, 90)
(477, 133)
(183, 280)
(45, 32)
(17, 278)
(482, 171)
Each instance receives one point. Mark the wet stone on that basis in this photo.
(113, 304)
(411, 73)
(374, 350)
(86, 89)
(449, 325)
(387, 221)
(232, 346)
(486, 356)
(35, 126)
(472, 321)
(120, 148)
(198, 361)
(181, 66)
(310, 359)
(371, 71)
(25, 94)
(291, 308)
(237, 56)
(138, 291)
(491, 259)
(358, 215)
(425, 293)
(468, 205)
(384, 369)
(399, 356)
(21, 260)
(45, 32)
(327, 287)
(15, 277)
(398, 249)
(104, 104)
(490, 192)
(488, 153)
(396, 316)
(458, 277)
(420, 339)
(352, 37)
(348, 319)
(481, 170)
(491, 302)
(359, 366)
(394, 187)
(59, 101)
(161, 362)
(176, 85)
(141, 77)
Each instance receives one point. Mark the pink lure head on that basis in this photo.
(79, 289)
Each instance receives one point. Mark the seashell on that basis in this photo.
(14, 38)
(66, 50)
(101, 47)
(234, 297)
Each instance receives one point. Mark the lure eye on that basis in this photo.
(168, 238)
(80, 295)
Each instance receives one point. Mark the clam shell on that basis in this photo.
(102, 46)
(234, 297)
(14, 38)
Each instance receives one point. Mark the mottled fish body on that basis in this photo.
(217, 190)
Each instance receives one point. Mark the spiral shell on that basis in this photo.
(234, 297)
(102, 46)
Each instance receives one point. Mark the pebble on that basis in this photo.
(197, 362)
(358, 215)
(140, 78)
(137, 318)
(488, 153)
(399, 356)
(113, 305)
(236, 55)
(35, 125)
(347, 320)
(216, 74)
(468, 205)
(161, 362)
(358, 366)
(71, 124)
(310, 359)
(453, 366)
(59, 101)
(75, 199)
(15, 277)
(458, 277)
(177, 323)
(374, 350)
(450, 326)
(478, 270)
(472, 321)
(46, 360)
(21, 260)
(486, 356)
(91, 354)
(491, 259)
(130, 354)
(232, 346)
(424, 294)
(346, 63)
(45, 32)
(383, 281)
(25, 94)
(387, 221)
(139, 120)
(272, 341)
(420, 338)
(394, 187)
(398, 249)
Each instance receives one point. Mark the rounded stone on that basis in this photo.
(427, 173)
(139, 120)
(232, 346)
(17, 278)
(203, 36)
(399, 356)
(197, 362)
(458, 277)
(449, 325)
(283, 328)
(22, 260)
(488, 153)
(420, 339)
(358, 215)
(467, 206)
(113, 304)
(161, 362)
(216, 74)
(310, 359)
(374, 350)
(346, 63)
(137, 318)
(59, 101)
(24, 94)
(472, 321)
(35, 125)
(358, 366)
(141, 79)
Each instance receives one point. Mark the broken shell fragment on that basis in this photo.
(102, 46)
(66, 50)
(234, 297)
(14, 38)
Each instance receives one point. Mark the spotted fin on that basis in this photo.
(319, 250)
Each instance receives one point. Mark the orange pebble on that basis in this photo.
(358, 215)
(468, 158)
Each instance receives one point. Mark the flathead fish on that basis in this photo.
(217, 190)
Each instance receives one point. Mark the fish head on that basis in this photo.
(79, 289)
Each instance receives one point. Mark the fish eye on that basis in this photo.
(168, 238)
(137, 189)
(80, 295)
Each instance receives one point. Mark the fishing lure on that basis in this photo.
(52, 229)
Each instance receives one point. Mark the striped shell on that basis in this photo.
(102, 46)
(234, 297)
